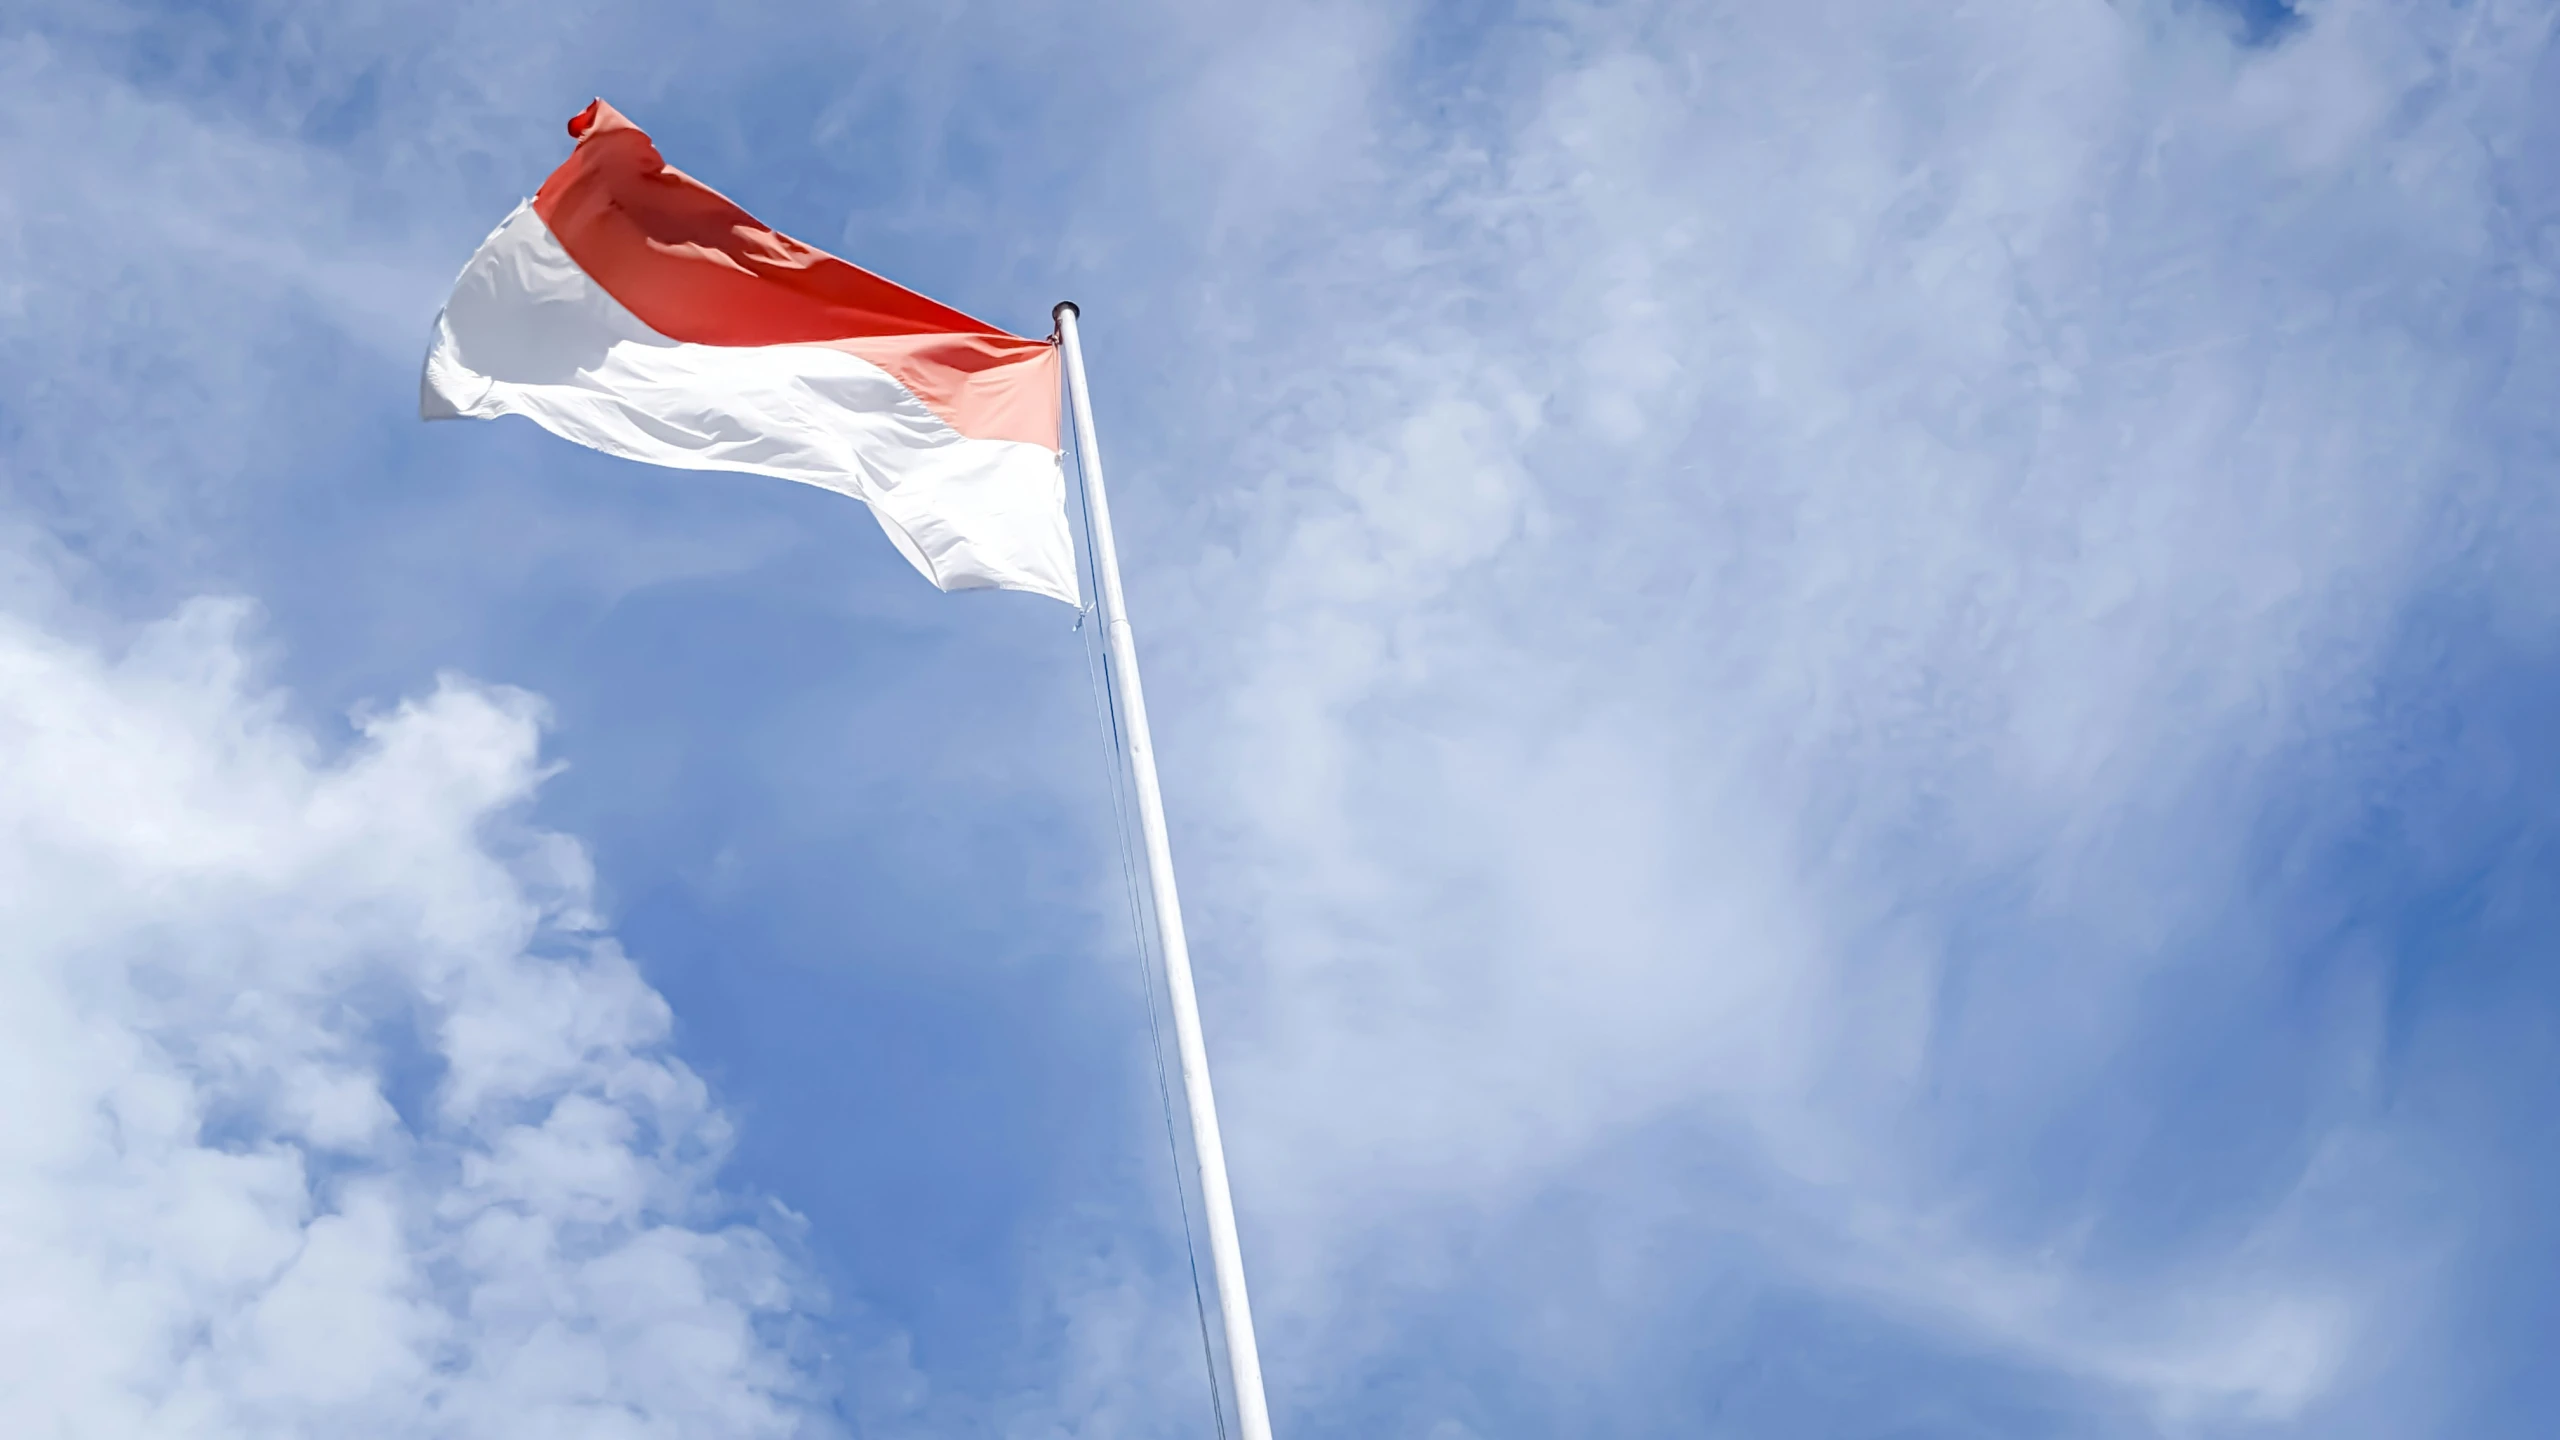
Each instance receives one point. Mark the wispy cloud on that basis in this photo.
(1796, 555)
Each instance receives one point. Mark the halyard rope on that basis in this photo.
(1106, 711)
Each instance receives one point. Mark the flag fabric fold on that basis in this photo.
(633, 309)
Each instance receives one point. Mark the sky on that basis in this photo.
(1856, 700)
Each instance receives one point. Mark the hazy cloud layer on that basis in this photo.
(1822, 599)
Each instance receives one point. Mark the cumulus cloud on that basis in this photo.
(332, 1110)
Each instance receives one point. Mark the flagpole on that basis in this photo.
(1226, 1257)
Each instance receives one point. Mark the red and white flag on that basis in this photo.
(631, 308)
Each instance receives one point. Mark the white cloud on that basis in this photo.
(331, 1111)
(1785, 625)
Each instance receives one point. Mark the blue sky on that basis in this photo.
(1856, 702)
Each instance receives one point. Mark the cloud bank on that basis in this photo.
(332, 1110)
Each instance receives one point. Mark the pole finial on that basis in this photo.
(1064, 307)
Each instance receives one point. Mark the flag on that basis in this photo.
(633, 309)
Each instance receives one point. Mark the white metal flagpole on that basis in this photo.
(1226, 1257)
